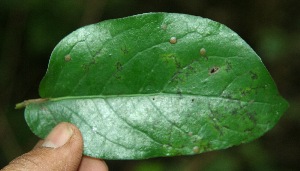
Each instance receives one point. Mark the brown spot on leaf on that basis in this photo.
(86, 66)
(228, 66)
(253, 75)
(173, 40)
(124, 50)
(202, 52)
(252, 116)
(119, 66)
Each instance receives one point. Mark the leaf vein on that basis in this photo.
(162, 114)
(130, 125)
(97, 132)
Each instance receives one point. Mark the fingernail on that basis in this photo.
(58, 136)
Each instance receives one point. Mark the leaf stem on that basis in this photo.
(27, 102)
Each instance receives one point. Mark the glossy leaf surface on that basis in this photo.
(156, 84)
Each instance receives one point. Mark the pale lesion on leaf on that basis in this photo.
(203, 54)
(67, 58)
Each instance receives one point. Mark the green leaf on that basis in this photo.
(156, 84)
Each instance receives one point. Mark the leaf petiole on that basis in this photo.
(27, 102)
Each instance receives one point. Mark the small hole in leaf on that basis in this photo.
(214, 70)
(193, 100)
(173, 40)
(153, 98)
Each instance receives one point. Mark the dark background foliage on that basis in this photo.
(30, 29)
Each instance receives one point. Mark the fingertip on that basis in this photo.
(92, 164)
(63, 153)
(59, 136)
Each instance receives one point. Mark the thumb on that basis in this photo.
(61, 150)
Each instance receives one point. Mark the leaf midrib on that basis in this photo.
(153, 94)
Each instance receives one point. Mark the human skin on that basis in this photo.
(61, 150)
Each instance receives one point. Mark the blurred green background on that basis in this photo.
(30, 29)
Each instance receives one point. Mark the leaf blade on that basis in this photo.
(116, 70)
(156, 84)
(155, 131)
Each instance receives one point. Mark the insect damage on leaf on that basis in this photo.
(135, 91)
(214, 70)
